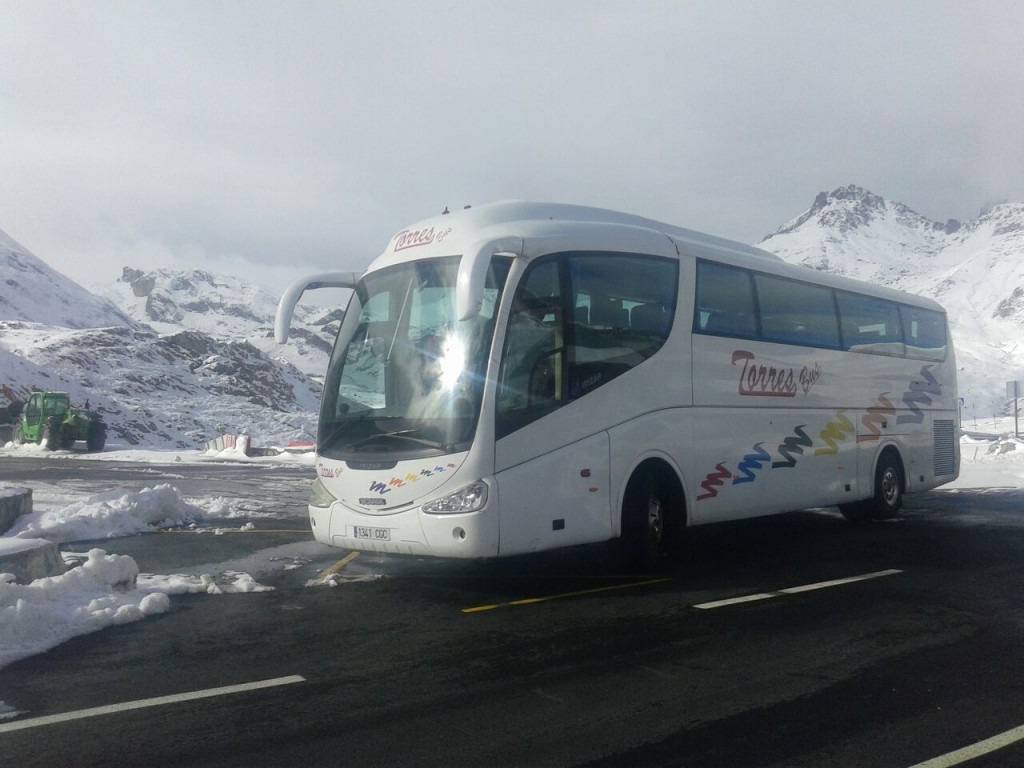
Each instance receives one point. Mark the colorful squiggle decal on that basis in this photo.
(379, 487)
(752, 462)
(792, 447)
(711, 483)
(918, 395)
(834, 433)
(876, 418)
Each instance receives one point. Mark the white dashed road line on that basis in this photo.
(160, 701)
(795, 590)
(1004, 739)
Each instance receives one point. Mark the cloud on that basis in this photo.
(293, 136)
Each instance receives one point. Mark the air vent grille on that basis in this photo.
(944, 434)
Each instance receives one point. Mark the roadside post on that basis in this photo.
(1013, 392)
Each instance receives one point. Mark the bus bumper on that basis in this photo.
(410, 532)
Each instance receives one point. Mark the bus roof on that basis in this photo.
(460, 232)
(446, 232)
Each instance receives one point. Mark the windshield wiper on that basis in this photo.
(342, 426)
(404, 434)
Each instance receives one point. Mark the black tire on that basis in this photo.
(887, 497)
(17, 436)
(48, 437)
(650, 523)
(66, 437)
(97, 437)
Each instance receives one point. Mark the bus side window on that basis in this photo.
(625, 304)
(725, 301)
(794, 312)
(869, 324)
(654, 318)
(579, 320)
(924, 332)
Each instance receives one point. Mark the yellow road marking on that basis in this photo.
(563, 595)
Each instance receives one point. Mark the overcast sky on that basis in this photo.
(239, 136)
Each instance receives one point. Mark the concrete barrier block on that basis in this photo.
(14, 502)
(30, 559)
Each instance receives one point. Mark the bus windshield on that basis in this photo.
(406, 379)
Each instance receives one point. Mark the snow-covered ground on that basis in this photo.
(114, 452)
(103, 589)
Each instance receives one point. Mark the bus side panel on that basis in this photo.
(930, 451)
(557, 499)
(913, 409)
(538, 466)
(755, 461)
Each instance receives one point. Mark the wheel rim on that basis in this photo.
(890, 486)
(655, 519)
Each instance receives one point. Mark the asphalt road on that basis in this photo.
(559, 659)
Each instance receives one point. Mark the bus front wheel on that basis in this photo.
(650, 522)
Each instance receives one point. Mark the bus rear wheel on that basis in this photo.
(887, 498)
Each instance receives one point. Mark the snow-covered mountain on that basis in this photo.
(169, 301)
(187, 357)
(176, 390)
(974, 269)
(31, 290)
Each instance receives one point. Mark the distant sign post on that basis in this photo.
(1014, 389)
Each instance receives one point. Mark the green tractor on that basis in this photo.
(48, 418)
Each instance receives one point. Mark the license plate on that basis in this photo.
(375, 534)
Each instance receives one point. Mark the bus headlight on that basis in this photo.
(469, 499)
(319, 496)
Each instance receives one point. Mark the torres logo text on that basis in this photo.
(413, 238)
(758, 379)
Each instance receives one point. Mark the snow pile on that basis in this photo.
(110, 515)
(99, 593)
(101, 589)
(233, 582)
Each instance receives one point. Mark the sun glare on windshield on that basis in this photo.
(452, 362)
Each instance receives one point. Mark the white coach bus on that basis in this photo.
(520, 376)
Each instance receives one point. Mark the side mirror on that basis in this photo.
(290, 298)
